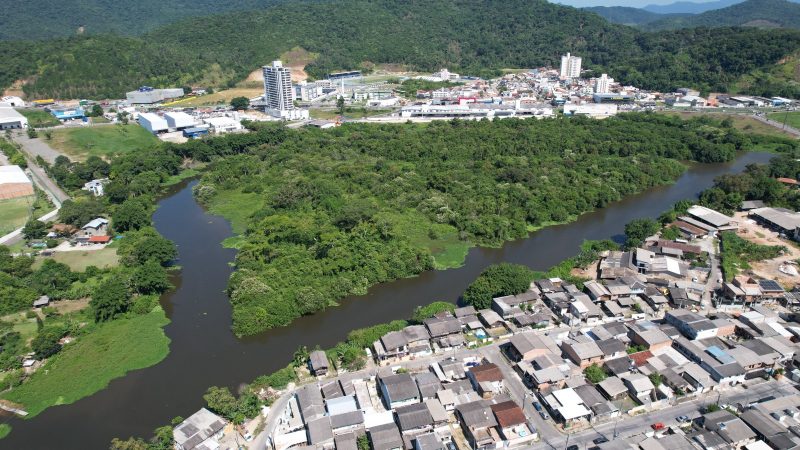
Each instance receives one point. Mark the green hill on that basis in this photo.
(478, 37)
(751, 13)
(42, 19)
(626, 15)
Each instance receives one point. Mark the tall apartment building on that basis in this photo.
(570, 66)
(602, 84)
(278, 93)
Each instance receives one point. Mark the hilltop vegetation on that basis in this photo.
(41, 19)
(353, 35)
(626, 15)
(328, 212)
(751, 13)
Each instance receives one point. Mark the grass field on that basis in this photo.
(93, 360)
(740, 121)
(792, 119)
(78, 261)
(442, 240)
(39, 118)
(103, 141)
(217, 98)
(14, 213)
(236, 206)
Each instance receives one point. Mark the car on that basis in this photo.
(544, 415)
(472, 364)
(658, 426)
(573, 447)
(600, 440)
(683, 419)
(537, 406)
(247, 436)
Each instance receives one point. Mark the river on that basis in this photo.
(203, 352)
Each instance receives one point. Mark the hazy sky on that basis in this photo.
(635, 3)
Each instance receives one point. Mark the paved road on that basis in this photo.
(36, 147)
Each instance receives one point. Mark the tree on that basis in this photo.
(34, 229)
(425, 312)
(595, 373)
(496, 281)
(45, 344)
(52, 278)
(79, 212)
(637, 230)
(150, 278)
(340, 105)
(240, 103)
(655, 378)
(97, 111)
(300, 356)
(110, 299)
(32, 134)
(156, 248)
(362, 442)
(132, 214)
(221, 401)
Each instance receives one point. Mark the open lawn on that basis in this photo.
(39, 118)
(237, 207)
(103, 141)
(217, 98)
(792, 118)
(93, 360)
(740, 121)
(441, 239)
(14, 213)
(78, 261)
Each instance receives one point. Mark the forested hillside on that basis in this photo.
(751, 13)
(626, 15)
(330, 213)
(42, 19)
(480, 38)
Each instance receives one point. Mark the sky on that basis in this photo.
(634, 3)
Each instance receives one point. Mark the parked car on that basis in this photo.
(573, 447)
(683, 419)
(537, 406)
(600, 440)
(544, 415)
(247, 436)
(658, 426)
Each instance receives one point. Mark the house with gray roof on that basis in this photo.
(442, 326)
(309, 399)
(318, 363)
(732, 429)
(428, 384)
(583, 351)
(477, 420)
(385, 437)
(346, 441)
(200, 430)
(612, 388)
(398, 390)
(414, 418)
(428, 441)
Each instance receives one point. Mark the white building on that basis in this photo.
(14, 101)
(153, 123)
(602, 84)
(10, 118)
(179, 120)
(146, 95)
(278, 93)
(222, 125)
(95, 187)
(594, 110)
(14, 183)
(570, 66)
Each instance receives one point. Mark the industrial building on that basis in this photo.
(179, 120)
(10, 119)
(153, 123)
(222, 125)
(146, 95)
(14, 183)
(63, 114)
(278, 93)
(13, 100)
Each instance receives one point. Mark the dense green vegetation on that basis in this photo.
(326, 214)
(41, 19)
(595, 374)
(512, 33)
(736, 253)
(497, 281)
(408, 88)
(751, 13)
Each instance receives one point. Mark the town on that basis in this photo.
(655, 351)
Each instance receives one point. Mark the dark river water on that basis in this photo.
(203, 352)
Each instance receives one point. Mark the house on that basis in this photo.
(318, 363)
(729, 427)
(437, 411)
(768, 429)
(583, 351)
(513, 305)
(41, 302)
(97, 227)
(648, 334)
(398, 390)
(95, 187)
(13, 181)
(345, 441)
(601, 407)
(385, 437)
(639, 386)
(428, 384)
(692, 325)
(597, 291)
(428, 441)
(511, 422)
(414, 418)
(490, 318)
(487, 379)
(567, 406)
(393, 344)
(346, 422)
(439, 327)
(612, 388)
(525, 346)
(612, 348)
(201, 430)
(477, 422)
(418, 340)
(309, 400)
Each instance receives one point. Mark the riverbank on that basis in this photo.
(108, 351)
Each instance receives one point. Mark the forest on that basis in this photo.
(213, 51)
(329, 213)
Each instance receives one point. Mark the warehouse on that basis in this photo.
(68, 113)
(778, 219)
(14, 183)
(221, 125)
(10, 119)
(179, 120)
(153, 123)
(146, 95)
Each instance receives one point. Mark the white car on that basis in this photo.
(248, 436)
